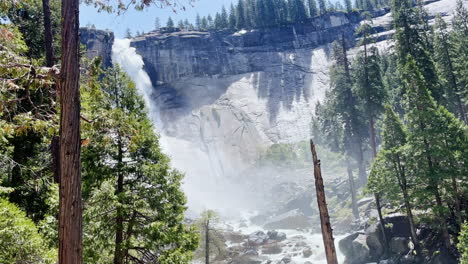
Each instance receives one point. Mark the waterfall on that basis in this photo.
(203, 185)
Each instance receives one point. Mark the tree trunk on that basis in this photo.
(70, 218)
(453, 80)
(445, 233)
(404, 189)
(119, 221)
(48, 36)
(361, 167)
(352, 190)
(382, 222)
(207, 242)
(372, 135)
(327, 231)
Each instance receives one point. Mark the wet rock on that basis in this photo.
(374, 240)
(345, 245)
(257, 238)
(276, 236)
(307, 252)
(399, 245)
(361, 251)
(271, 249)
(286, 259)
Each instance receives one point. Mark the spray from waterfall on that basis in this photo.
(203, 185)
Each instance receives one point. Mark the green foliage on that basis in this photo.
(28, 17)
(298, 156)
(216, 244)
(121, 145)
(20, 241)
(463, 244)
(26, 125)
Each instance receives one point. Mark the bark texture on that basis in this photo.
(70, 218)
(327, 231)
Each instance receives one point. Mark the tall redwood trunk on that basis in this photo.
(70, 218)
(48, 36)
(327, 231)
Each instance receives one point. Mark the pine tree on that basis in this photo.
(210, 23)
(281, 12)
(240, 15)
(368, 84)
(198, 22)
(224, 19)
(232, 17)
(459, 49)
(249, 23)
(126, 177)
(388, 174)
(444, 64)
(411, 41)
(170, 23)
(348, 6)
(204, 24)
(181, 24)
(322, 7)
(128, 33)
(157, 23)
(437, 141)
(217, 22)
(312, 8)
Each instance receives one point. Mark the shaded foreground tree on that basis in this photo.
(70, 215)
(327, 232)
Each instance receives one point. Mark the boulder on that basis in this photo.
(307, 252)
(286, 259)
(257, 238)
(345, 244)
(291, 220)
(361, 251)
(276, 236)
(399, 245)
(374, 240)
(271, 249)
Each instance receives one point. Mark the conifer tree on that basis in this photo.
(126, 179)
(224, 18)
(437, 141)
(368, 84)
(322, 7)
(411, 41)
(348, 6)
(198, 22)
(157, 23)
(170, 23)
(232, 17)
(459, 49)
(389, 168)
(180, 24)
(204, 24)
(312, 8)
(240, 15)
(444, 64)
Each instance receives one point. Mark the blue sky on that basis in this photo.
(144, 20)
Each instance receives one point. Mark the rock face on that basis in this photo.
(236, 94)
(98, 43)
